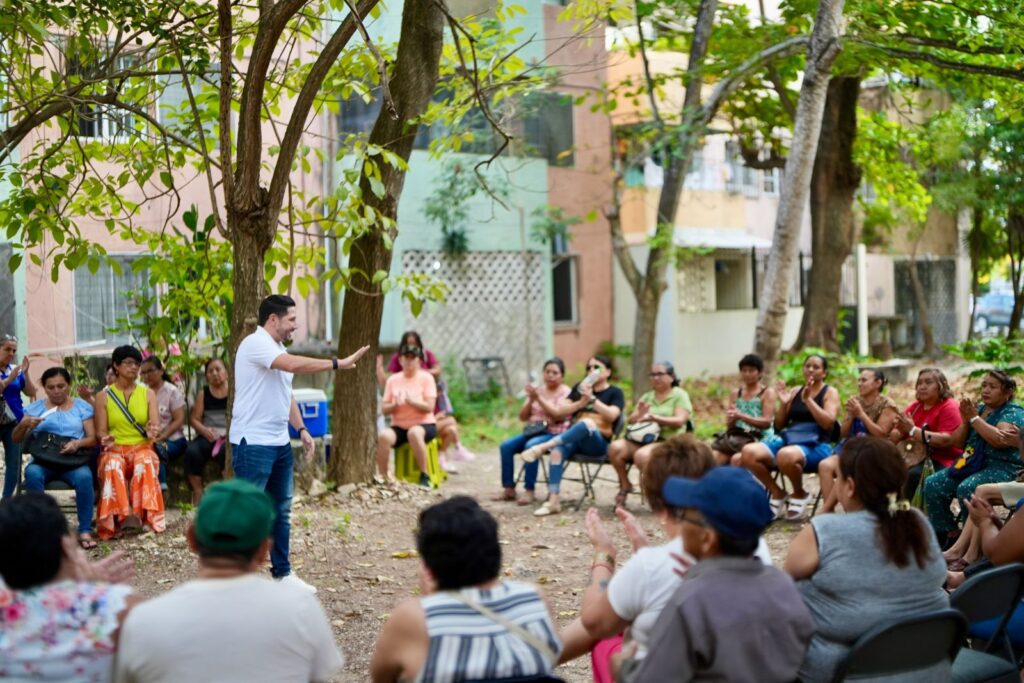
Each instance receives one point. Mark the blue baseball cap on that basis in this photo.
(729, 498)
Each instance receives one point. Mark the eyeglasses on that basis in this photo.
(599, 368)
(658, 374)
(148, 370)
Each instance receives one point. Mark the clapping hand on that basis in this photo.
(784, 392)
(599, 537)
(903, 423)
(854, 408)
(531, 391)
(967, 409)
(587, 391)
(634, 532)
(643, 411)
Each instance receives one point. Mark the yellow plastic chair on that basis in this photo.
(406, 469)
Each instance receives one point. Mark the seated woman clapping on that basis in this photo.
(631, 597)
(870, 413)
(750, 416)
(877, 563)
(804, 424)
(544, 420)
(127, 422)
(659, 414)
(409, 398)
(58, 433)
(989, 433)
(597, 406)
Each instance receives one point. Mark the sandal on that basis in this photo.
(547, 509)
(526, 499)
(506, 495)
(620, 497)
(86, 541)
(531, 454)
(776, 504)
(956, 565)
(796, 508)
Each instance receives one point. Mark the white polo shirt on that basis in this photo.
(263, 396)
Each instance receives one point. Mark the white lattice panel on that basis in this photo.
(695, 278)
(496, 307)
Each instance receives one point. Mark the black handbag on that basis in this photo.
(532, 429)
(44, 447)
(733, 440)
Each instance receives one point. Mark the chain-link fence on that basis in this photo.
(938, 280)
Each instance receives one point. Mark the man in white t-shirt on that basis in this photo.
(262, 410)
(232, 624)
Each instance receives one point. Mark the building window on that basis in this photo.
(732, 283)
(549, 128)
(565, 294)
(105, 300)
(771, 181)
(101, 121)
(741, 178)
(174, 110)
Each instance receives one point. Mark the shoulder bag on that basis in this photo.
(7, 416)
(518, 631)
(643, 433)
(973, 461)
(531, 429)
(159, 448)
(913, 451)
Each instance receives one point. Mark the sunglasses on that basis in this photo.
(7, 338)
(599, 368)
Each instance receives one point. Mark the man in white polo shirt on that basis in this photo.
(261, 451)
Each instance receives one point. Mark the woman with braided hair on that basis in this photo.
(877, 563)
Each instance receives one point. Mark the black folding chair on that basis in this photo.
(991, 594)
(906, 645)
(542, 473)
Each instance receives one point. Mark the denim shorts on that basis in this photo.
(812, 456)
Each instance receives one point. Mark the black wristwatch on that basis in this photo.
(334, 363)
(303, 429)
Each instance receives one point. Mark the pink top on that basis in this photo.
(944, 416)
(537, 414)
(421, 388)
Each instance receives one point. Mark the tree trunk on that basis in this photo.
(921, 305)
(974, 239)
(355, 392)
(821, 54)
(834, 183)
(1015, 240)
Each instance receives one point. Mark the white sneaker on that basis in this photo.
(296, 581)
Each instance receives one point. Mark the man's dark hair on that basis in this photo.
(275, 304)
(123, 353)
(737, 547)
(752, 360)
(242, 558)
(458, 541)
(31, 528)
(49, 373)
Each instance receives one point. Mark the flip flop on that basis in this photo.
(796, 508)
(776, 505)
(86, 541)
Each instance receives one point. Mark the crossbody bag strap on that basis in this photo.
(517, 630)
(124, 411)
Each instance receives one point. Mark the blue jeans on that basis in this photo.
(38, 476)
(271, 468)
(175, 449)
(518, 444)
(12, 459)
(576, 439)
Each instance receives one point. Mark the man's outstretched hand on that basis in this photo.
(350, 362)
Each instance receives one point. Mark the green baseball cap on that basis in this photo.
(234, 516)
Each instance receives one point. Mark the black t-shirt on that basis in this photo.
(610, 396)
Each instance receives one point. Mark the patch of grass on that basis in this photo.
(305, 521)
(184, 507)
(343, 523)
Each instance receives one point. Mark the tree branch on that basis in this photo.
(225, 29)
(646, 64)
(935, 60)
(304, 102)
(726, 86)
(382, 65)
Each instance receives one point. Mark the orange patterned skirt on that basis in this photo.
(129, 485)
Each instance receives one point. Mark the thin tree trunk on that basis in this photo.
(921, 305)
(821, 54)
(834, 183)
(1015, 235)
(355, 397)
(974, 238)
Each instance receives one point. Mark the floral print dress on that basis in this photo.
(60, 631)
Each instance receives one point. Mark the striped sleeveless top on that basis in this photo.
(465, 645)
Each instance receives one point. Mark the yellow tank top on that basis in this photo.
(124, 433)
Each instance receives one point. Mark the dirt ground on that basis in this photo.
(357, 547)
